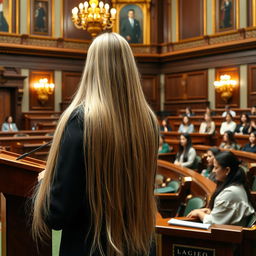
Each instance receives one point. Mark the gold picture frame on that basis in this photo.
(47, 26)
(10, 9)
(234, 16)
(144, 6)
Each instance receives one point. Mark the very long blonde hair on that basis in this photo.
(121, 143)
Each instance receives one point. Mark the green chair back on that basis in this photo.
(194, 203)
(175, 184)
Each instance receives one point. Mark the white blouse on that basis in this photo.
(231, 207)
(225, 126)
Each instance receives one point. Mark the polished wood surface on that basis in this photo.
(17, 182)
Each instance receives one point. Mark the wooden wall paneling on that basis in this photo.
(251, 85)
(5, 104)
(175, 87)
(69, 30)
(70, 83)
(197, 85)
(235, 100)
(150, 86)
(34, 103)
(191, 18)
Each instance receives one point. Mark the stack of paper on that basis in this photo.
(188, 224)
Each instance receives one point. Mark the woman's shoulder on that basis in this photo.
(232, 193)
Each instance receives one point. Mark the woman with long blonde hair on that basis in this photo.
(99, 179)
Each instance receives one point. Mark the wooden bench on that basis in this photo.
(29, 132)
(32, 119)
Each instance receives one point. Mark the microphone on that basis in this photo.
(34, 150)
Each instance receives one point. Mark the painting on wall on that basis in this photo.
(131, 23)
(41, 17)
(226, 15)
(9, 16)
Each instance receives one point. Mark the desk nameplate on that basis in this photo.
(185, 250)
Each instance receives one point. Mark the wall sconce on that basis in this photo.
(43, 90)
(225, 87)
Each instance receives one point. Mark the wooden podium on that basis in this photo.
(17, 182)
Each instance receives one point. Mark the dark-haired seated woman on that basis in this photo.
(163, 146)
(208, 173)
(187, 154)
(231, 203)
(165, 127)
(251, 146)
(244, 125)
(228, 141)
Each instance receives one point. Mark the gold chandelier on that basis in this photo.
(225, 87)
(93, 17)
(43, 90)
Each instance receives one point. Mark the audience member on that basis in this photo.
(251, 146)
(165, 127)
(188, 112)
(209, 111)
(163, 146)
(186, 154)
(229, 141)
(231, 203)
(252, 111)
(211, 153)
(228, 110)
(186, 126)
(208, 126)
(244, 125)
(252, 127)
(9, 125)
(229, 125)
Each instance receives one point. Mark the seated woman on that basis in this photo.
(251, 146)
(208, 126)
(229, 125)
(231, 203)
(211, 153)
(186, 154)
(186, 126)
(165, 127)
(163, 146)
(244, 125)
(189, 112)
(209, 111)
(9, 125)
(229, 141)
(252, 127)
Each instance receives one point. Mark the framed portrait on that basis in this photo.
(9, 16)
(133, 20)
(40, 19)
(227, 15)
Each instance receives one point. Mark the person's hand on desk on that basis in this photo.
(199, 213)
(41, 175)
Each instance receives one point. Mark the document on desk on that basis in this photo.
(190, 224)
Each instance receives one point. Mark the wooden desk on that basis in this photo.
(17, 181)
(31, 120)
(222, 239)
(29, 132)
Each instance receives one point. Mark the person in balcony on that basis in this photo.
(251, 146)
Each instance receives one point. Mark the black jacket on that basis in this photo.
(69, 209)
(134, 32)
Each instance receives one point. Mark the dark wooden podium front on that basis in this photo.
(17, 180)
(218, 240)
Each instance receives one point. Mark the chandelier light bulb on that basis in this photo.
(81, 6)
(113, 13)
(101, 5)
(86, 4)
(93, 5)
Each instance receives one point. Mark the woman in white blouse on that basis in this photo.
(231, 203)
(187, 154)
(208, 126)
(229, 125)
